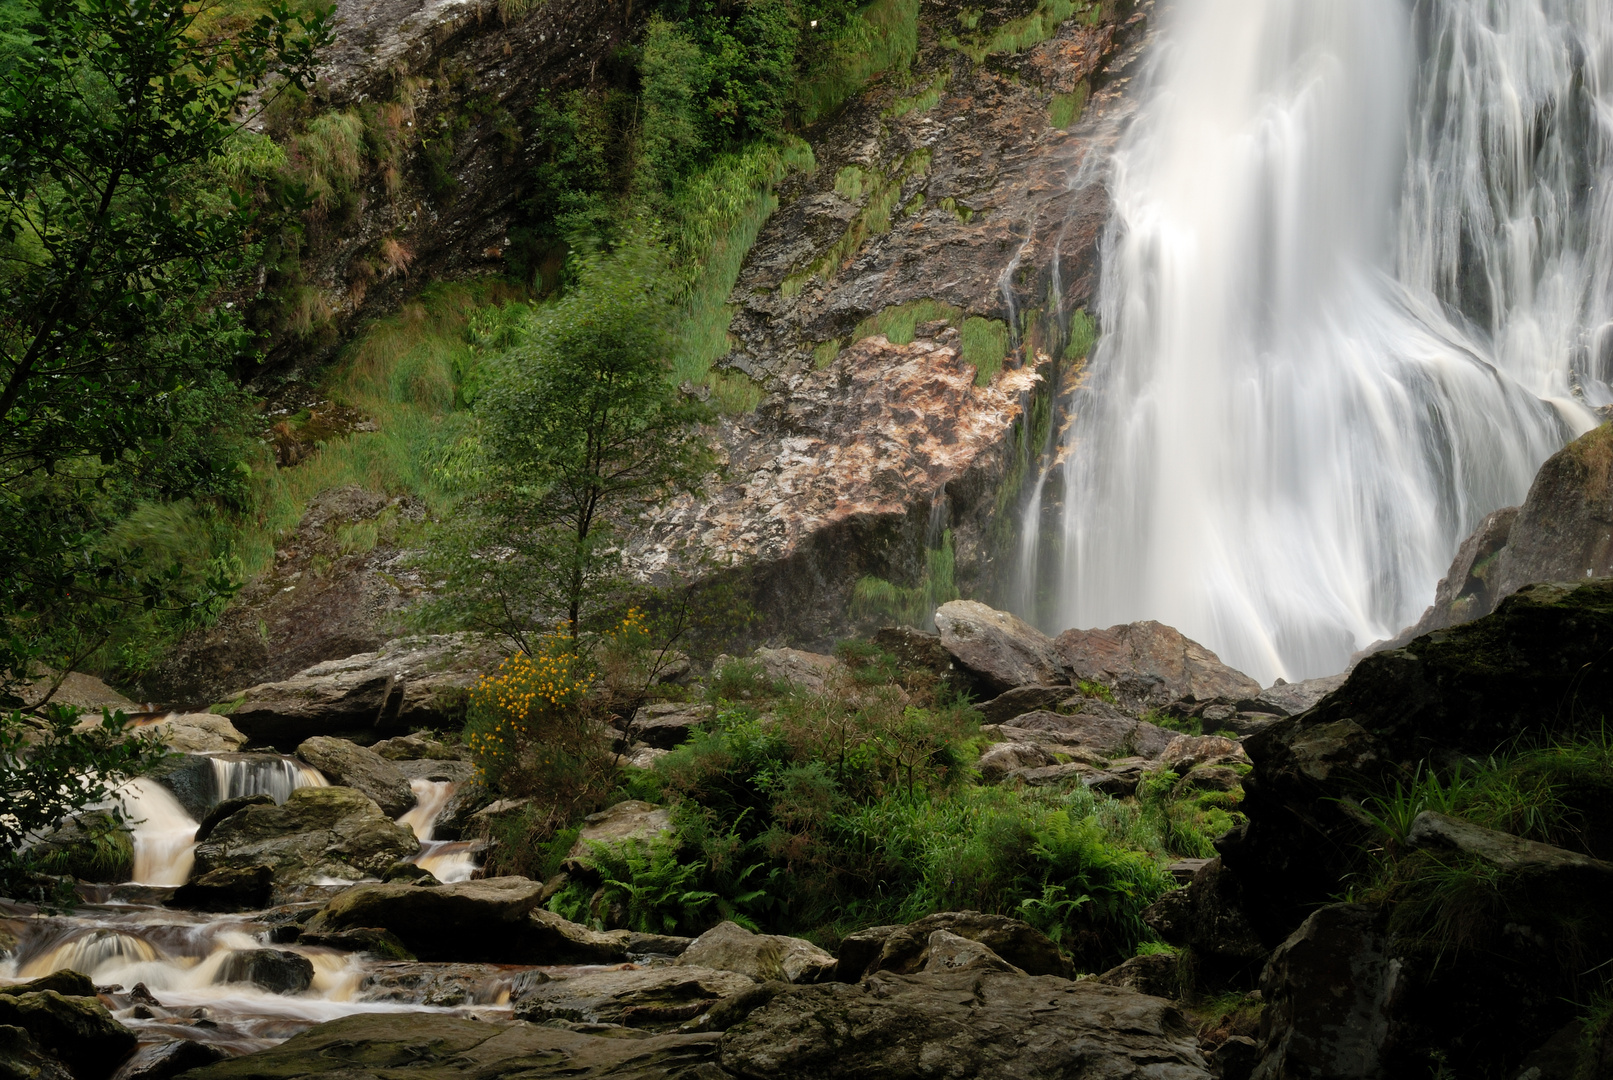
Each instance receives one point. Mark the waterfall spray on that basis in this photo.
(1338, 330)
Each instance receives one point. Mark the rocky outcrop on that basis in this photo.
(197, 733)
(77, 1031)
(666, 724)
(1562, 532)
(764, 957)
(1148, 664)
(346, 764)
(798, 667)
(905, 949)
(318, 833)
(323, 599)
(1000, 650)
(410, 682)
(987, 1025)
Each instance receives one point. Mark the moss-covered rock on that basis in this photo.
(91, 847)
(329, 832)
(77, 1030)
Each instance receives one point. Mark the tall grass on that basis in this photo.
(885, 38)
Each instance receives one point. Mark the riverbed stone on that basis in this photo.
(659, 998)
(1001, 650)
(197, 733)
(347, 764)
(162, 1061)
(764, 957)
(468, 921)
(21, 1058)
(228, 888)
(274, 970)
(667, 724)
(319, 832)
(77, 1030)
(379, 943)
(985, 1025)
(227, 809)
(903, 949)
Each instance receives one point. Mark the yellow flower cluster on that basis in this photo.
(506, 705)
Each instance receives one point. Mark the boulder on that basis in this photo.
(633, 820)
(197, 733)
(21, 1058)
(383, 1046)
(667, 724)
(903, 949)
(1330, 990)
(274, 970)
(1072, 772)
(446, 985)
(549, 939)
(1187, 752)
(644, 757)
(76, 1030)
(410, 682)
(163, 1061)
(1109, 737)
(655, 998)
(1209, 917)
(317, 833)
(946, 953)
(1526, 858)
(1000, 650)
(420, 745)
(347, 764)
(227, 809)
(229, 888)
(1148, 664)
(917, 649)
(1291, 699)
(1020, 700)
(1003, 759)
(1156, 974)
(468, 921)
(806, 669)
(81, 691)
(381, 944)
(984, 1025)
(1211, 778)
(66, 982)
(763, 957)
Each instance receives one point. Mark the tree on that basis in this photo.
(116, 237)
(582, 431)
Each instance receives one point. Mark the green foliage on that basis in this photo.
(925, 100)
(655, 892)
(883, 37)
(97, 847)
(1083, 335)
(910, 605)
(985, 345)
(581, 429)
(50, 768)
(114, 358)
(1019, 34)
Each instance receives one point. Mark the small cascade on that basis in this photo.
(164, 835)
(277, 777)
(448, 860)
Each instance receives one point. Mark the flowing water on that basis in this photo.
(1357, 285)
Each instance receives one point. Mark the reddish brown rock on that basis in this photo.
(1150, 664)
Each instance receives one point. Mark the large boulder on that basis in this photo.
(1105, 735)
(317, 833)
(1000, 650)
(468, 921)
(904, 949)
(1291, 699)
(655, 998)
(1022, 699)
(984, 1025)
(229, 888)
(492, 920)
(197, 733)
(347, 764)
(1148, 664)
(21, 1058)
(633, 821)
(77, 1030)
(410, 682)
(667, 724)
(1330, 992)
(764, 957)
(274, 970)
(807, 669)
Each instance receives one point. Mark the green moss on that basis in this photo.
(885, 39)
(852, 183)
(923, 101)
(1083, 334)
(824, 353)
(956, 209)
(1019, 34)
(910, 605)
(985, 345)
(1066, 108)
(899, 322)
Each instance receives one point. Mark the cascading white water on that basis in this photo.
(162, 833)
(448, 860)
(276, 777)
(1360, 262)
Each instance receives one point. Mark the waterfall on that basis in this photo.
(448, 860)
(1356, 287)
(163, 835)
(258, 774)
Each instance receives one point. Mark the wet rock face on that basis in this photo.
(78, 1031)
(1150, 664)
(1562, 532)
(348, 765)
(833, 479)
(319, 832)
